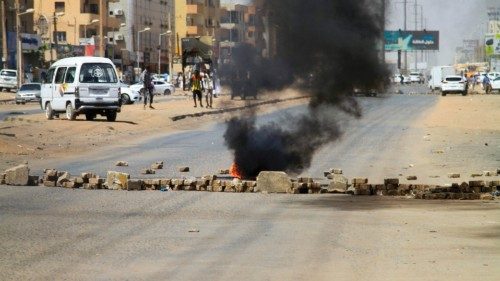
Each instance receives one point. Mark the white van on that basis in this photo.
(81, 85)
(438, 73)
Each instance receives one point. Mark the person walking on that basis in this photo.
(486, 84)
(148, 88)
(196, 87)
(209, 86)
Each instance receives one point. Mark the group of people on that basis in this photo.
(199, 83)
(478, 79)
(202, 82)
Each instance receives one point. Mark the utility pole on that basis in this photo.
(56, 41)
(416, 28)
(20, 72)
(422, 28)
(101, 27)
(406, 52)
(170, 53)
(4, 35)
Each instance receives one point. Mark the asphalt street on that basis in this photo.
(365, 141)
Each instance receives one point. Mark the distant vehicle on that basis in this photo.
(8, 79)
(493, 75)
(28, 92)
(495, 84)
(82, 85)
(453, 84)
(416, 77)
(438, 73)
(128, 96)
(160, 87)
(406, 79)
(163, 76)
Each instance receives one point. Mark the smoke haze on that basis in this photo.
(326, 48)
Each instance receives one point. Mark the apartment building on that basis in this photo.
(238, 25)
(143, 38)
(9, 37)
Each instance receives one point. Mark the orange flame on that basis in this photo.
(234, 171)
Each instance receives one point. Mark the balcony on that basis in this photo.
(194, 30)
(195, 9)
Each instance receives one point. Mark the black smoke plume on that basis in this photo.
(326, 48)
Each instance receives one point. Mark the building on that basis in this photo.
(9, 37)
(73, 27)
(143, 37)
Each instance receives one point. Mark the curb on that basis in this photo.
(232, 109)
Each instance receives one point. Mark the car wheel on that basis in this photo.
(125, 99)
(111, 116)
(49, 113)
(167, 92)
(70, 112)
(89, 116)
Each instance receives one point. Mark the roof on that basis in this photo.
(81, 60)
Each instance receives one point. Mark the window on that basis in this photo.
(70, 75)
(60, 75)
(59, 6)
(30, 87)
(453, 79)
(60, 35)
(50, 75)
(8, 73)
(98, 73)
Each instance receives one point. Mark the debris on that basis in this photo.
(453, 175)
(183, 169)
(411, 178)
(336, 171)
(194, 230)
(117, 180)
(438, 151)
(273, 182)
(224, 172)
(148, 172)
(18, 175)
(475, 175)
(157, 166)
(121, 164)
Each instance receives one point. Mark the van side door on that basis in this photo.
(58, 89)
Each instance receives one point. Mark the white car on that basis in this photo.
(160, 87)
(415, 77)
(495, 84)
(8, 79)
(453, 84)
(128, 96)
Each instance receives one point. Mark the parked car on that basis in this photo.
(82, 85)
(453, 84)
(8, 79)
(495, 84)
(160, 87)
(28, 92)
(415, 77)
(128, 96)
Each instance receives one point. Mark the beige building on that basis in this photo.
(69, 23)
(195, 18)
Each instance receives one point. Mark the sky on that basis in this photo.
(456, 20)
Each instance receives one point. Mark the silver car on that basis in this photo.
(28, 92)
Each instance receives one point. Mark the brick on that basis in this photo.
(121, 164)
(117, 180)
(49, 183)
(453, 175)
(134, 184)
(64, 177)
(68, 184)
(411, 178)
(392, 181)
(363, 189)
(148, 171)
(359, 181)
(183, 169)
(336, 171)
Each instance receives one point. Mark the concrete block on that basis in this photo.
(157, 165)
(64, 177)
(486, 189)
(476, 175)
(18, 175)
(273, 182)
(359, 181)
(336, 171)
(391, 181)
(148, 171)
(117, 180)
(338, 184)
(411, 178)
(453, 175)
(487, 197)
(183, 169)
(68, 184)
(476, 183)
(488, 173)
(49, 183)
(134, 184)
(305, 179)
(391, 186)
(363, 189)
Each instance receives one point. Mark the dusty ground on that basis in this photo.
(26, 137)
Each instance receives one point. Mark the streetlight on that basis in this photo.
(159, 51)
(138, 37)
(20, 72)
(90, 23)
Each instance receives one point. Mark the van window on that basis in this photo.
(50, 76)
(70, 75)
(453, 79)
(98, 73)
(60, 75)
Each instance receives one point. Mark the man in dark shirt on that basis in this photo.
(148, 88)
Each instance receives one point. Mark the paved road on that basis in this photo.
(366, 141)
(60, 234)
